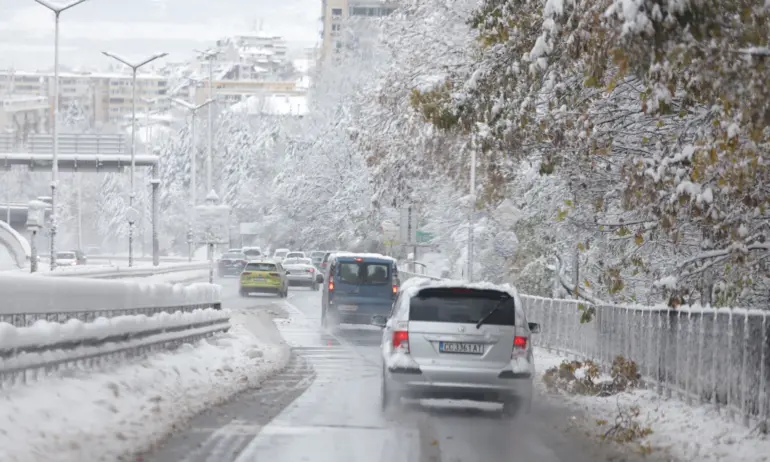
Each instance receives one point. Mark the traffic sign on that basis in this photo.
(408, 226)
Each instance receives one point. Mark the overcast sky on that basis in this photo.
(137, 28)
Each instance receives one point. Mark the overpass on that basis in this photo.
(77, 152)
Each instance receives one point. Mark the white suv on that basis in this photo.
(454, 340)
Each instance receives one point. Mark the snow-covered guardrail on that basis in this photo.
(28, 298)
(27, 352)
(700, 355)
(115, 272)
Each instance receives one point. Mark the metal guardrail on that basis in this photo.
(69, 143)
(710, 356)
(28, 318)
(116, 272)
(26, 363)
(700, 355)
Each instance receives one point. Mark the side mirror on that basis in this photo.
(379, 321)
(534, 327)
(319, 278)
(287, 272)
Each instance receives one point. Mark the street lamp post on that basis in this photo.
(215, 220)
(35, 221)
(193, 109)
(210, 56)
(57, 10)
(131, 213)
(471, 212)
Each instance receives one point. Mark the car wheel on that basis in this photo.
(324, 318)
(388, 398)
(512, 406)
(243, 293)
(314, 287)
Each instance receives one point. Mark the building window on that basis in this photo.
(336, 27)
(336, 11)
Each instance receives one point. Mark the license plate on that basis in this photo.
(465, 348)
(347, 307)
(259, 279)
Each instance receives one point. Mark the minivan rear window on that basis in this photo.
(364, 273)
(260, 267)
(461, 305)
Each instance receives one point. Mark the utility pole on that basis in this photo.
(57, 10)
(131, 213)
(210, 56)
(193, 109)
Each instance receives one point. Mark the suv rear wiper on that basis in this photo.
(491, 312)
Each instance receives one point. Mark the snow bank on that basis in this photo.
(130, 408)
(23, 293)
(684, 432)
(43, 333)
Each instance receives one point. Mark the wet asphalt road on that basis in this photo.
(324, 407)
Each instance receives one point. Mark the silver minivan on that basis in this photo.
(455, 340)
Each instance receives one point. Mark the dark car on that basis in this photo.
(231, 264)
(358, 286)
(324, 265)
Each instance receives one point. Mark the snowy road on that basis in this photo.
(325, 407)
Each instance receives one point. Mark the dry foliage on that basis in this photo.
(624, 373)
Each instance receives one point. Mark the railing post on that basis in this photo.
(714, 361)
(763, 407)
(730, 369)
(745, 371)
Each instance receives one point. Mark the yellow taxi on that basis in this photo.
(264, 276)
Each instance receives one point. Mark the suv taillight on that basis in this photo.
(401, 340)
(331, 284)
(519, 347)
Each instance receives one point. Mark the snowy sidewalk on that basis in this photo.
(684, 433)
(114, 414)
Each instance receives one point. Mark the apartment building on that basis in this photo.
(334, 13)
(103, 98)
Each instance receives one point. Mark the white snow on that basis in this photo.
(114, 414)
(685, 432)
(23, 293)
(48, 333)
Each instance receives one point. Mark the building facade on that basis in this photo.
(102, 98)
(334, 14)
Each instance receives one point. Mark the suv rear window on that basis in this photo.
(460, 305)
(252, 253)
(364, 273)
(233, 256)
(260, 267)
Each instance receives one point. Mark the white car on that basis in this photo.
(66, 259)
(280, 254)
(295, 254)
(457, 340)
(301, 272)
(252, 253)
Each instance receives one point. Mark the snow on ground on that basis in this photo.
(685, 433)
(113, 414)
(176, 277)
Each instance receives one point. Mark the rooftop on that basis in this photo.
(85, 75)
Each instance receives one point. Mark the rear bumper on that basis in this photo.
(302, 280)
(255, 286)
(476, 385)
(363, 313)
(260, 290)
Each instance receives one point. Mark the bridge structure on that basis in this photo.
(77, 153)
